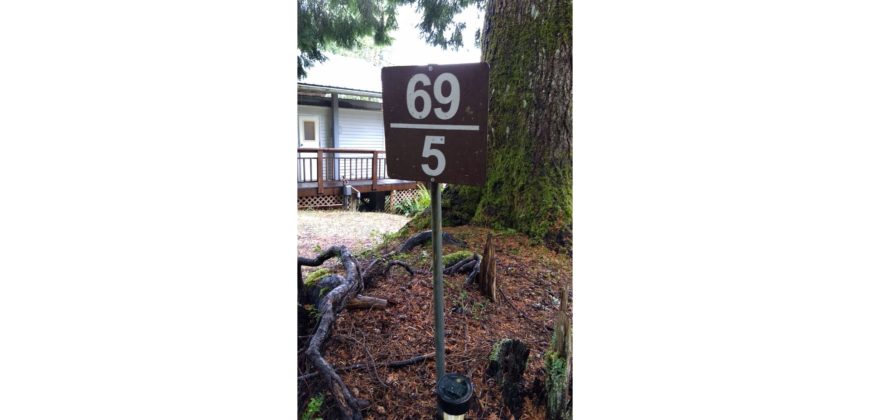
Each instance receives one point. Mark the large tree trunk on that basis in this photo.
(528, 188)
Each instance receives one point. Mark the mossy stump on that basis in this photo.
(557, 362)
(507, 362)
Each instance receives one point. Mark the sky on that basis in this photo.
(408, 48)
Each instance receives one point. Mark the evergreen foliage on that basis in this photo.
(342, 23)
(345, 24)
(438, 21)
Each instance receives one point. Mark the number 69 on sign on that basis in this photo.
(452, 98)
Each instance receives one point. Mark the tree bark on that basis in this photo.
(528, 188)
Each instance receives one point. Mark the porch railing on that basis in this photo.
(322, 165)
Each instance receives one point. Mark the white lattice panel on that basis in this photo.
(397, 196)
(319, 201)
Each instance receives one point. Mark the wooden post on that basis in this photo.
(486, 277)
(374, 169)
(320, 171)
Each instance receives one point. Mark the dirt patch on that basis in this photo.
(530, 276)
(358, 231)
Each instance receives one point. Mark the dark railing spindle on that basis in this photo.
(320, 171)
(374, 163)
(355, 165)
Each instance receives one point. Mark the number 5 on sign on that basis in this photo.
(428, 151)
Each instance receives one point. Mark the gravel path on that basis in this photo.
(320, 229)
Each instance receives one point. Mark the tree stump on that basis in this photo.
(507, 362)
(558, 365)
(486, 276)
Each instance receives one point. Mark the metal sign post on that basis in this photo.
(438, 279)
(435, 125)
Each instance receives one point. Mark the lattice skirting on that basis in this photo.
(398, 196)
(319, 201)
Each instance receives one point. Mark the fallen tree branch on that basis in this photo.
(366, 302)
(473, 275)
(373, 270)
(463, 266)
(328, 307)
(365, 274)
(400, 264)
(393, 364)
(426, 235)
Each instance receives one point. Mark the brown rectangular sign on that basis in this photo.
(435, 122)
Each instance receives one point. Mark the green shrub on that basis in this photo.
(423, 197)
(411, 207)
(405, 207)
(313, 408)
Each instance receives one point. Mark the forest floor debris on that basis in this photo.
(530, 277)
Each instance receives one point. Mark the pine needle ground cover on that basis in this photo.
(530, 276)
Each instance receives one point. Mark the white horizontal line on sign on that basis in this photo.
(436, 126)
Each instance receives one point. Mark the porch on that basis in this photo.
(322, 173)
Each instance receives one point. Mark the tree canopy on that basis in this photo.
(345, 23)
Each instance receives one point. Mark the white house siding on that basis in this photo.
(359, 129)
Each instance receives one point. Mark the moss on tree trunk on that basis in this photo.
(528, 188)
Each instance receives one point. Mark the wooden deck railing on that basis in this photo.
(321, 165)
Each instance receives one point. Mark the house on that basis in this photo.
(339, 117)
(341, 138)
